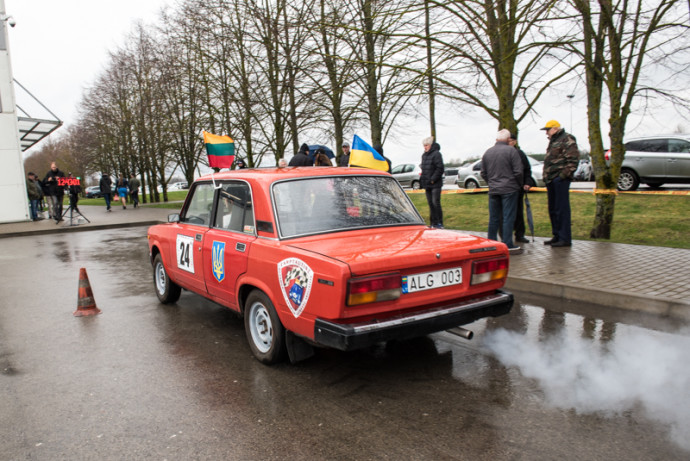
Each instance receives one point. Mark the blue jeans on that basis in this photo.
(433, 198)
(558, 194)
(33, 207)
(107, 201)
(503, 206)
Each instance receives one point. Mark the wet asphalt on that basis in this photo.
(148, 381)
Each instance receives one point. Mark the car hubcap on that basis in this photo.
(160, 278)
(261, 327)
(625, 181)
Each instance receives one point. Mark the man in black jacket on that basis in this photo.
(431, 180)
(302, 157)
(56, 191)
(519, 226)
(106, 190)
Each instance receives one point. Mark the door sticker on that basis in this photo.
(218, 260)
(295, 278)
(185, 253)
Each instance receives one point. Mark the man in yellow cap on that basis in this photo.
(560, 163)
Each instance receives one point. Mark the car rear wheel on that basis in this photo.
(415, 185)
(265, 333)
(471, 184)
(628, 180)
(168, 292)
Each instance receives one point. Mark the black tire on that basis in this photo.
(415, 185)
(265, 333)
(168, 292)
(471, 184)
(628, 180)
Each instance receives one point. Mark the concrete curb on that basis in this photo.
(79, 228)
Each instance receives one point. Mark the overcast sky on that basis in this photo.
(58, 47)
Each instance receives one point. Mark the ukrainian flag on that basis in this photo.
(220, 150)
(363, 155)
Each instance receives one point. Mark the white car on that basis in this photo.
(469, 176)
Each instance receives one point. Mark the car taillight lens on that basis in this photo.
(372, 289)
(607, 155)
(489, 270)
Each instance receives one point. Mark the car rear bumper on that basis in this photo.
(354, 336)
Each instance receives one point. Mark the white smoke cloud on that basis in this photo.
(641, 367)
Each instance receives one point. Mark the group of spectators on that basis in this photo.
(48, 194)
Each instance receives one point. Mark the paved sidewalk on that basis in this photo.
(648, 279)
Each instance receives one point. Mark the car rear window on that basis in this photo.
(316, 205)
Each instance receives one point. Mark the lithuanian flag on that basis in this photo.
(363, 155)
(220, 150)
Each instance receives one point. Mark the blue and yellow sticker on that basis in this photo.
(218, 260)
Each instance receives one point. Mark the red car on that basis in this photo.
(335, 257)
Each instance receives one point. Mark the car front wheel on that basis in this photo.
(168, 292)
(628, 180)
(415, 185)
(265, 333)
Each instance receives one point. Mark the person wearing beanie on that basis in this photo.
(302, 157)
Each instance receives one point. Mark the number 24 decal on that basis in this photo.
(185, 255)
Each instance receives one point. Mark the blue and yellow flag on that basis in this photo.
(363, 155)
(220, 150)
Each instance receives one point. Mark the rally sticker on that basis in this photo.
(185, 253)
(218, 260)
(295, 278)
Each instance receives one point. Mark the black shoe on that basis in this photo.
(551, 242)
(560, 244)
(521, 240)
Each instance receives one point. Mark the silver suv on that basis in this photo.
(655, 160)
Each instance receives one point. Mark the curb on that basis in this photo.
(60, 230)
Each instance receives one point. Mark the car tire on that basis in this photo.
(415, 185)
(628, 180)
(471, 184)
(265, 333)
(168, 292)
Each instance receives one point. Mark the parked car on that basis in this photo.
(407, 175)
(450, 176)
(183, 185)
(655, 160)
(584, 171)
(93, 192)
(333, 257)
(469, 176)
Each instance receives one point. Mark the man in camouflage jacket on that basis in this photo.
(560, 163)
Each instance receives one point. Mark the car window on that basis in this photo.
(397, 169)
(451, 172)
(647, 145)
(409, 168)
(678, 145)
(199, 205)
(234, 211)
(315, 205)
(477, 166)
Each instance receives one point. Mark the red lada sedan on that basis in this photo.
(334, 257)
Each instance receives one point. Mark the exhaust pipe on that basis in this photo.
(463, 333)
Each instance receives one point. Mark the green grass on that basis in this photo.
(175, 199)
(655, 220)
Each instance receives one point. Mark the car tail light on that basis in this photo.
(372, 289)
(489, 270)
(607, 155)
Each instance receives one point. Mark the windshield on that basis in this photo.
(315, 205)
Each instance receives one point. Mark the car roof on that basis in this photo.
(269, 175)
(660, 136)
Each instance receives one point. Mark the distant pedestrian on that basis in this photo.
(560, 163)
(502, 171)
(344, 159)
(239, 164)
(431, 180)
(321, 159)
(33, 191)
(519, 227)
(134, 185)
(122, 188)
(105, 185)
(56, 190)
(302, 157)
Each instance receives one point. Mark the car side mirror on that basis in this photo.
(175, 217)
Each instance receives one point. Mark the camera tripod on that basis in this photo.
(71, 209)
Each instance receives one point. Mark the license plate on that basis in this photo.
(431, 280)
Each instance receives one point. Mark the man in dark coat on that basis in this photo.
(302, 157)
(105, 184)
(344, 159)
(431, 180)
(519, 226)
(56, 191)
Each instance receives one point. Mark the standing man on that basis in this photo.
(431, 180)
(134, 185)
(560, 163)
(33, 190)
(302, 157)
(344, 159)
(519, 226)
(502, 170)
(56, 191)
(105, 185)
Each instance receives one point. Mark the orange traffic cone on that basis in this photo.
(86, 304)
